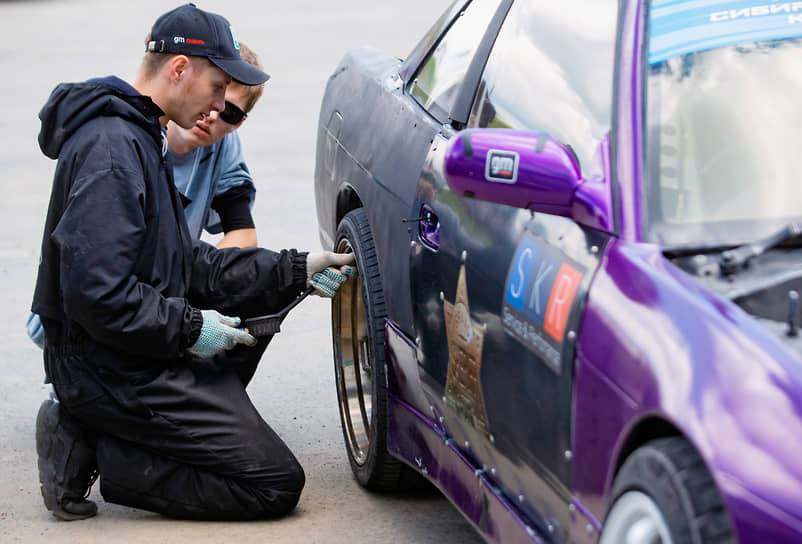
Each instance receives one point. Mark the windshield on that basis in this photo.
(723, 133)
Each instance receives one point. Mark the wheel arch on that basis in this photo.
(347, 200)
(684, 457)
(646, 430)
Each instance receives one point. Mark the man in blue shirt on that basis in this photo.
(210, 170)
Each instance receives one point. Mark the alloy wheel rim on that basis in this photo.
(355, 375)
(635, 519)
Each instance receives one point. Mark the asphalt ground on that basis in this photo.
(43, 43)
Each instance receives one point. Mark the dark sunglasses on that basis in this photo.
(232, 114)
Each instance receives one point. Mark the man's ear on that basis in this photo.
(178, 67)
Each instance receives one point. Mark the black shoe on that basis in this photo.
(67, 466)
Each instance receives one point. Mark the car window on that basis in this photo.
(718, 157)
(437, 82)
(551, 69)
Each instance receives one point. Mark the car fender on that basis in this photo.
(371, 147)
(655, 343)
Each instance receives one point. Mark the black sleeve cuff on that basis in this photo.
(195, 319)
(234, 208)
(298, 260)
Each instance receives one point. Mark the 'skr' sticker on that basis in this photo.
(538, 297)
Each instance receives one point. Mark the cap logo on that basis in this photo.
(234, 37)
(181, 39)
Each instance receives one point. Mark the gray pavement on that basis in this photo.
(300, 42)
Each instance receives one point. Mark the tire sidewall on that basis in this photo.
(349, 229)
(652, 472)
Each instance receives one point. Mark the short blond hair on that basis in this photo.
(253, 92)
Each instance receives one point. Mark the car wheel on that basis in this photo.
(664, 494)
(358, 314)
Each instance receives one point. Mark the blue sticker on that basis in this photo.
(537, 296)
(542, 285)
(679, 27)
(521, 271)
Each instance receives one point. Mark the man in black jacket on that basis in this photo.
(136, 350)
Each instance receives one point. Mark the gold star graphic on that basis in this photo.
(465, 340)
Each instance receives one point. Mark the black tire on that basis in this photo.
(358, 314)
(667, 479)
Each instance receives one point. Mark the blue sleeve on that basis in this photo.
(233, 173)
(35, 330)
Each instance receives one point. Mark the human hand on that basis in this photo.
(318, 262)
(219, 333)
(327, 282)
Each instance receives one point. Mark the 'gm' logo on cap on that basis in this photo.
(501, 166)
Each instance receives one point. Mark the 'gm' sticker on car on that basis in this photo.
(687, 26)
(538, 297)
(501, 166)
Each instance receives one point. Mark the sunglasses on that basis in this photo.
(232, 114)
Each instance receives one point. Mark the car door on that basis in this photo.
(497, 291)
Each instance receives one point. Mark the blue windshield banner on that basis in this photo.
(679, 27)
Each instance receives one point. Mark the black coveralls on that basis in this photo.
(119, 287)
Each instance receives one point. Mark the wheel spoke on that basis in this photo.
(356, 306)
(346, 363)
(354, 364)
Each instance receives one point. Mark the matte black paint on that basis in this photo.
(379, 162)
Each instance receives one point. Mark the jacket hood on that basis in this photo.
(70, 105)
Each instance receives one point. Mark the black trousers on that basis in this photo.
(185, 440)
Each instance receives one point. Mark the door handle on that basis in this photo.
(429, 227)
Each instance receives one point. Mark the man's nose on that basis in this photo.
(219, 104)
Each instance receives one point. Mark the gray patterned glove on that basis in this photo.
(327, 283)
(218, 334)
(326, 271)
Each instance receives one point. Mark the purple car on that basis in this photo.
(577, 226)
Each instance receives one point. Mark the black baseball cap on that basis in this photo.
(188, 30)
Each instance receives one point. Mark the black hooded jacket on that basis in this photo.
(119, 269)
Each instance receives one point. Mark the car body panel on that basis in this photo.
(423, 442)
(525, 442)
(625, 145)
(515, 350)
(644, 377)
(367, 163)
